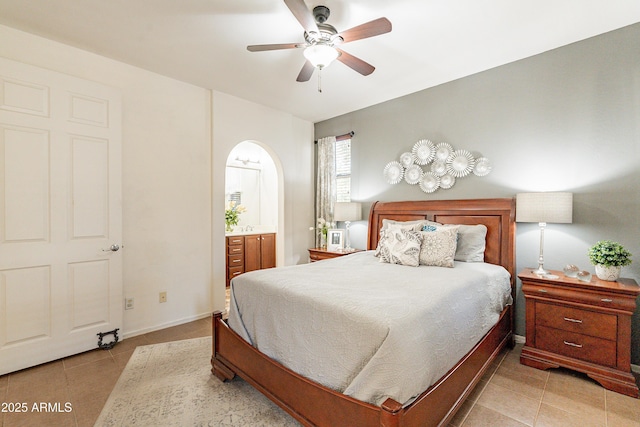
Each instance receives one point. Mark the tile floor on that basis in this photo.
(84, 380)
(516, 395)
(510, 395)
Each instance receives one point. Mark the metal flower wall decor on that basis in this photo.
(434, 166)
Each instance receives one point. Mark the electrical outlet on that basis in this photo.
(163, 296)
(128, 303)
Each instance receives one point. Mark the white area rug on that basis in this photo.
(171, 384)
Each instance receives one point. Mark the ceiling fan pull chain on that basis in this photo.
(320, 79)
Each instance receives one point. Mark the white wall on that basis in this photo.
(289, 141)
(166, 180)
(171, 175)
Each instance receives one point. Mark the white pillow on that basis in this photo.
(472, 241)
(439, 246)
(400, 246)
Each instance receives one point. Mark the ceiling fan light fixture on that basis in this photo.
(321, 55)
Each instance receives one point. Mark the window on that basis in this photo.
(343, 170)
(235, 197)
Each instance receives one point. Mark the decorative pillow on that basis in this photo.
(400, 246)
(415, 225)
(438, 245)
(471, 240)
(405, 225)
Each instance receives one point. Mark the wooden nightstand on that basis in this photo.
(318, 254)
(584, 326)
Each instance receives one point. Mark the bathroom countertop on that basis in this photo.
(255, 230)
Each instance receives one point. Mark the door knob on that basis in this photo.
(113, 248)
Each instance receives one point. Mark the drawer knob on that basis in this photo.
(544, 291)
(236, 260)
(568, 319)
(571, 344)
(606, 300)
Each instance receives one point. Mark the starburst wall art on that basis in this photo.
(434, 166)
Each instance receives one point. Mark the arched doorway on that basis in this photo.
(254, 179)
(251, 180)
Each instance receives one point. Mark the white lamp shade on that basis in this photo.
(347, 211)
(320, 55)
(553, 207)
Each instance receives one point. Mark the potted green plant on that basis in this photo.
(609, 257)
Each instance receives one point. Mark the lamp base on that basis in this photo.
(540, 271)
(347, 248)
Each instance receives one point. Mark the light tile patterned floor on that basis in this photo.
(517, 395)
(510, 395)
(84, 380)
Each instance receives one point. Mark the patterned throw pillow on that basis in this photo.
(415, 225)
(438, 246)
(400, 246)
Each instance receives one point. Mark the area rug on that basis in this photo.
(171, 384)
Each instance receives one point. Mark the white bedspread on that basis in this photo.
(367, 329)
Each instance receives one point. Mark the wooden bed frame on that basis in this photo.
(314, 405)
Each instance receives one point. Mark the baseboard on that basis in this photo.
(635, 368)
(188, 319)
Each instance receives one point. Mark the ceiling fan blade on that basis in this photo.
(369, 29)
(302, 14)
(355, 63)
(306, 72)
(263, 47)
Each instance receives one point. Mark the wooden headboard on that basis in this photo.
(497, 214)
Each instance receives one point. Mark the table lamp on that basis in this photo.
(554, 207)
(347, 212)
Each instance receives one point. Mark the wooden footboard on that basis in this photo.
(315, 405)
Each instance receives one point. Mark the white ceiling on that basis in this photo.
(203, 42)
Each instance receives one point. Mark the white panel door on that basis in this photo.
(60, 215)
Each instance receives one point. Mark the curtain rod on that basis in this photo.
(341, 137)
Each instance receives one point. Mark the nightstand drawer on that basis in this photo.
(578, 346)
(580, 296)
(314, 256)
(599, 325)
(318, 254)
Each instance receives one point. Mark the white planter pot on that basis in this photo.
(610, 274)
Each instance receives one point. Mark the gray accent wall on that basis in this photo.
(564, 120)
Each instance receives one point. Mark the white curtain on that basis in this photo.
(326, 183)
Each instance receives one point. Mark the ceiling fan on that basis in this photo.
(322, 39)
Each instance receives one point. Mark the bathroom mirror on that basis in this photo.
(251, 180)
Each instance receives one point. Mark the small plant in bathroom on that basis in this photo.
(232, 214)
